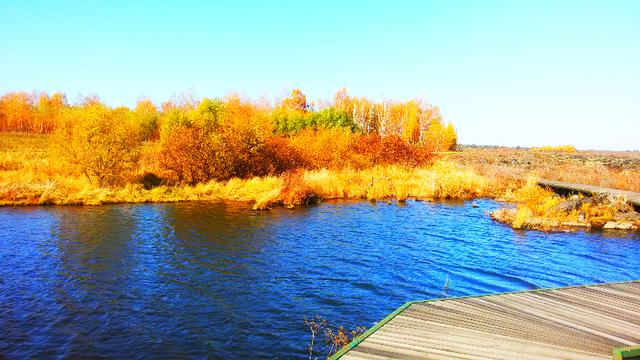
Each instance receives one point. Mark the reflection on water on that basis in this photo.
(220, 280)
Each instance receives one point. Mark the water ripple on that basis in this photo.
(196, 280)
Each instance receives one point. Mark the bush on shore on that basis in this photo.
(96, 142)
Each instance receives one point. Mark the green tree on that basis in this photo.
(147, 119)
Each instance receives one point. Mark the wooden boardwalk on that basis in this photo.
(632, 197)
(580, 322)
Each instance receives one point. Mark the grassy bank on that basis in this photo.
(541, 209)
(28, 176)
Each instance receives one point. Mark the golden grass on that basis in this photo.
(565, 148)
(442, 180)
(618, 170)
(541, 209)
(28, 177)
(77, 191)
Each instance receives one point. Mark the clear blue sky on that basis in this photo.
(504, 72)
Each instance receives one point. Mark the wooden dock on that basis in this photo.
(632, 197)
(579, 322)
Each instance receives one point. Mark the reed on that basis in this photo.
(28, 176)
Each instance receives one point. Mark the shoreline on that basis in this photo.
(549, 220)
(31, 176)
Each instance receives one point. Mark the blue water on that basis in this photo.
(198, 280)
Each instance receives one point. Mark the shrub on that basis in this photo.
(97, 142)
(287, 121)
(282, 156)
(240, 154)
(325, 148)
(208, 114)
(240, 139)
(219, 140)
(375, 149)
(332, 118)
(189, 153)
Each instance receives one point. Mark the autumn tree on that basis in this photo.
(324, 148)
(96, 142)
(297, 101)
(241, 137)
(226, 137)
(208, 115)
(187, 141)
(364, 113)
(439, 137)
(48, 111)
(146, 117)
(16, 112)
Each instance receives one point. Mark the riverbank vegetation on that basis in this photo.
(285, 154)
(335, 337)
(541, 209)
(187, 149)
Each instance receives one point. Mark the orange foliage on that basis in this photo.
(297, 101)
(237, 146)
(375, 150)
(231, 137)
(187, 152)
(439, 137)
(325, 148)
(295, 190)
(282, 156)
(16, 112)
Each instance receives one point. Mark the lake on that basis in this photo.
(198, 280)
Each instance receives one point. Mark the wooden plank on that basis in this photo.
(584, 322)
(509, 321)
(631, 197)
(475, 343)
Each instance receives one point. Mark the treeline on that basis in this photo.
(22, 112)
(229, 137)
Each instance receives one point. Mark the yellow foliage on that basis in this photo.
(96, 142)
(439, 137)
(561, 148)
(324, 148)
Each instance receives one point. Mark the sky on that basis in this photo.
(514, 73)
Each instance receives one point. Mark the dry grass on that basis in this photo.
(565, 148)
(618, 170)
(28, 177)
(542, 209)
(442, 180)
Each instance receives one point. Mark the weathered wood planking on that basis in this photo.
(580, 322)
(632, 197)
